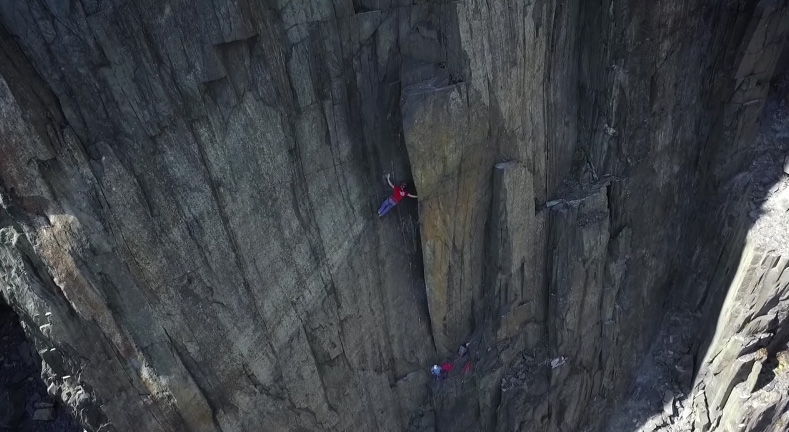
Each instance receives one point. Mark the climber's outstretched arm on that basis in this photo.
(388, 180)
(412, 195)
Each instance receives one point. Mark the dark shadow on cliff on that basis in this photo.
(661, 388)
(26, 405)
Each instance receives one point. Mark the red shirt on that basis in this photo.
(447, 367)
(398, 194)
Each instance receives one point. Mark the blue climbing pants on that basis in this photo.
(386, 206)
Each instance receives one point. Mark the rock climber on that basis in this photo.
(446, 368)
(436, 371)
(398, 193)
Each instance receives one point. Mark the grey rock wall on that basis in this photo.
(188, 195)
(200, 204)
(750, 339)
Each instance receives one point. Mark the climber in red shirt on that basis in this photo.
(446, 368)
(398, 193)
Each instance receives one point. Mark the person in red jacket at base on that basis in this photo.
(398, 193)
(446, 368)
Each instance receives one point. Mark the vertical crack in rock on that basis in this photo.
(188, 197)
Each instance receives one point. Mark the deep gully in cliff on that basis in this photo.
(715, 361)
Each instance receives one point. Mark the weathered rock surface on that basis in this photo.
(741, 383)
(729, 325)
(188, 190)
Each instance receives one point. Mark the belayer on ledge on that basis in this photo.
(398, 193)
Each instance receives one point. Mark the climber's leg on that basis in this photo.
(386, 206)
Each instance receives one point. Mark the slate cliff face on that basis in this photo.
(189, 189)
